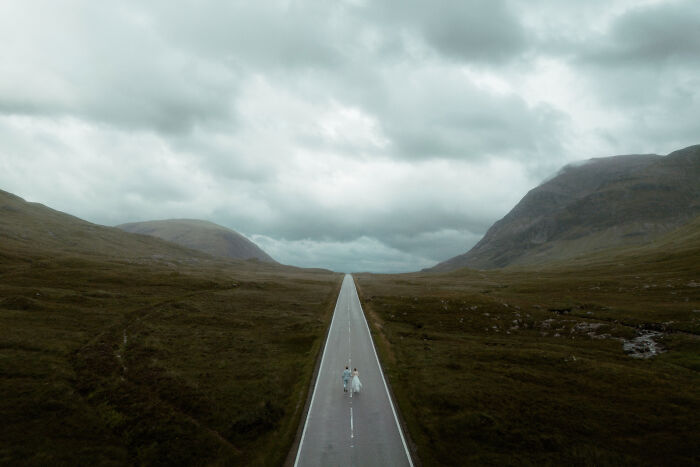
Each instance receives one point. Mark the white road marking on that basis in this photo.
(313, 395)
(386, 388)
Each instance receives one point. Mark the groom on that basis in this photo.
(346, 379)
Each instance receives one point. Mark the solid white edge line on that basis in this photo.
(320, 367)
(381, 372)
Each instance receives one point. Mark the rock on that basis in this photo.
(643, 346)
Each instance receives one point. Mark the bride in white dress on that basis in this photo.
(356, 384)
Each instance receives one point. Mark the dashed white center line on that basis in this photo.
(352, 428)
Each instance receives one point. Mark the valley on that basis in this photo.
(350, 234)
(190, 345)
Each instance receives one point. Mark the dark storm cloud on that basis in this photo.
(651, 36)
(359, 55)
(170, 69)
(454, 119)
(476, 30)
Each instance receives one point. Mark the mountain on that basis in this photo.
(31, 229)
(675, 251)
(201, 235)
(594, 205)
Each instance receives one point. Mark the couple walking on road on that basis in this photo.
(355, 385)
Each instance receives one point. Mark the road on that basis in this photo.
(345, 429)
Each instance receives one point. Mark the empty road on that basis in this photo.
(345, 429)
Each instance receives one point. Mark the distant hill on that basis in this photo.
(29, 229)
(594, 205)
(201, 235)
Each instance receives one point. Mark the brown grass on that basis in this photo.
(149, 362)
(524, 366)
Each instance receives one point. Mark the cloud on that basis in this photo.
(441, 112)
(273, 34)
(360, 255)
(104, 63)
(344, 199)
(650, 36)
(643, 67)
(67, 163)
(473, 31)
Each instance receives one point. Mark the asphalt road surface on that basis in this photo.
(346, 429)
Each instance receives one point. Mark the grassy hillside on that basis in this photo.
(29, 228)
(201, 235)
(527, 366)
(603, 203)
(161, 357)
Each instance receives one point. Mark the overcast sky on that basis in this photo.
(354, 135)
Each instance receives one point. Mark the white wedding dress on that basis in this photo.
(356, 384)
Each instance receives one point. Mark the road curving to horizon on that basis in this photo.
(345, 429)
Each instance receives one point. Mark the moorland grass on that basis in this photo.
(110, 362)
(524, 367)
